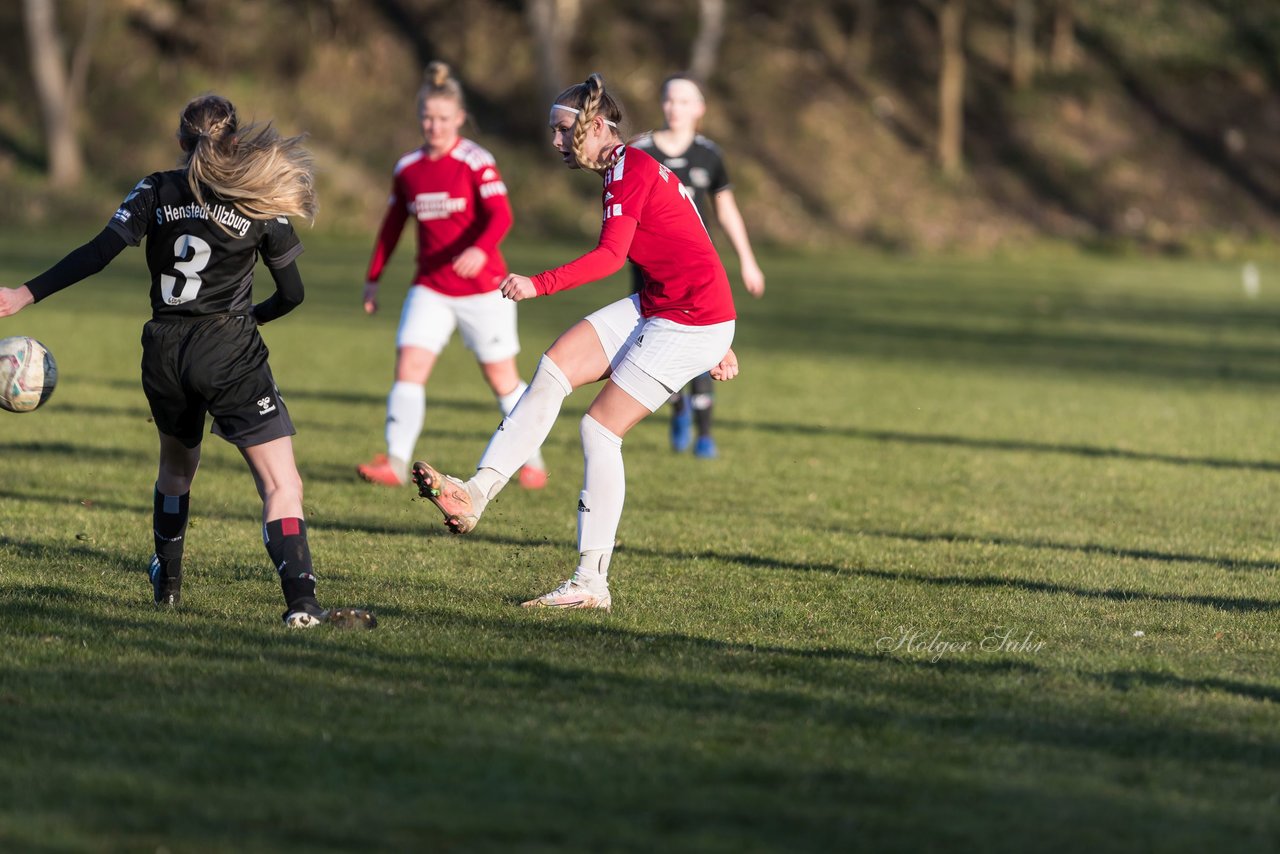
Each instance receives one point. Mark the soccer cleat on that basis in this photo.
(682, 426)
(166, 589)
(705, 448)
(309, 617)
(380, 471)
(449, 494)
(572, 594)
(532, 477)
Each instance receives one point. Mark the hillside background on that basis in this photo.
(1163, 134)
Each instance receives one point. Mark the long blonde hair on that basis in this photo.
(590, 99)
(262, 173)
(437, 82)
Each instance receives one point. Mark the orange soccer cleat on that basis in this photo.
(532, 477)
(380, 471)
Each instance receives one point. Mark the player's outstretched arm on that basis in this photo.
(14, 300)
(728, 367)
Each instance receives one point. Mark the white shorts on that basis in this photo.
(653, 357)
(487, 323)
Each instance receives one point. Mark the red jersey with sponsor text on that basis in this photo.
(649, 217)
(684, 279)
(459, 201)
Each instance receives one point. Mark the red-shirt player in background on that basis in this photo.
(644, 347)
(453, 188)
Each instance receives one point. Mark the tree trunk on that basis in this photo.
(951, 88)
(553, 23)
(1022, 47)
(1062, 51)
(861, 43)
(56, 93)
(706, 47)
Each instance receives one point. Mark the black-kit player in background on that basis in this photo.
(698, 164)
(205, 225)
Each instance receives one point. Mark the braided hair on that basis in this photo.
(589, 99)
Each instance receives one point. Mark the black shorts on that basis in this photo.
(216, 365)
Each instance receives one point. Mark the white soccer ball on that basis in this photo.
(28, 374)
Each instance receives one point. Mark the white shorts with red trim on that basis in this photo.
(487, 323)
(653, 357)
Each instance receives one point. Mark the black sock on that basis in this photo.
(286, 542)
(169, 526)
(703, 398)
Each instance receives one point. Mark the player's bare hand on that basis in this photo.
(469, 264)
(727, 369)
(753, 279)
(14, 300)
(516, 288)
(370, 297)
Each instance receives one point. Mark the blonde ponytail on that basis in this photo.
(262, 173)
(439, 82)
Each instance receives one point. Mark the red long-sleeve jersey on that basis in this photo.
(460, 201)
(649, 217)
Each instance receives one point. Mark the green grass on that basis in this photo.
(1063, 450)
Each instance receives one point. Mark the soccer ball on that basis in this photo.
(28, 374)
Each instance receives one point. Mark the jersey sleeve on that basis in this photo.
(496, 208)
(280, 245)
(131, 219)
(389, 232)
(719, 176)
(605, 260)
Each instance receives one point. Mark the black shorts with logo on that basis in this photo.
(215, 365)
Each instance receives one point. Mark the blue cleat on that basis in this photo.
(682, 426)
(705, 448)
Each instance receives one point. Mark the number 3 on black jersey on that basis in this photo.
(191, 255)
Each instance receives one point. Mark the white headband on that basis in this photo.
(576, 112)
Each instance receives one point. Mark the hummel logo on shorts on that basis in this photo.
(265, 406)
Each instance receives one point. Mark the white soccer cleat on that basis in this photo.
(573, 594)
(303, 620)
(340, 618)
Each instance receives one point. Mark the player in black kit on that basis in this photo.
(205, 224)
(697, 162)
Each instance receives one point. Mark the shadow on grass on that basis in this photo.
(1083, 548)
(986, 444)
(430, 528)
(1221, 603)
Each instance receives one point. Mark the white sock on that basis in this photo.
(593, 568)
(406, 408)
(507, 403)
(523, 431)
(604, 489)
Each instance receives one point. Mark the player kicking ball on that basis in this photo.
(643, 348)
(205, 225)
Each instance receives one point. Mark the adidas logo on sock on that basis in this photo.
(582, 507)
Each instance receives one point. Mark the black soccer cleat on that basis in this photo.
(166, 589)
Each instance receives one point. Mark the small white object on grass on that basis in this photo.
(1139, 634)
(1251, 279)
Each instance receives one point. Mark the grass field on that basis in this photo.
(988, 562)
